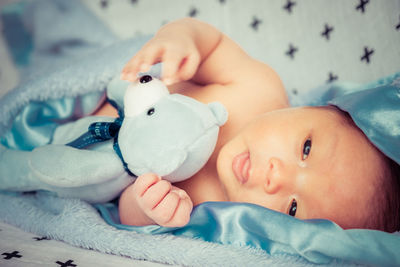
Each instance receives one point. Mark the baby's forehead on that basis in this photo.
(324, 114)
(333, 114)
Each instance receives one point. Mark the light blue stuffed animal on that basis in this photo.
(168, 134)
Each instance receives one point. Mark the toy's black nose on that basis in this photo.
(145, 79)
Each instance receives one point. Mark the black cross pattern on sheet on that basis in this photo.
(361, 5)
(222, 1)
(104, 3)
(398, 25)
(134, 1)
(332, 77)
(68, 263)
(256, 22)
(326, 33)
(292, 50)
(367, 54)
(193, 12)
(14, 254)
(289, 5)
(40, 238)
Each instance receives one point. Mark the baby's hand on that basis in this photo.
(178, 54)
(163, 203)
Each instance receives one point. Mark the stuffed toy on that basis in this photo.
(94, 158)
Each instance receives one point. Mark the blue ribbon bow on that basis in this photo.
(103, 131)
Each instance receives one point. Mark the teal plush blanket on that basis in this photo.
(68, 64)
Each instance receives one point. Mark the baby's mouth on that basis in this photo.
(241, 167)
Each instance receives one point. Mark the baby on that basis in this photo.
(308, 162)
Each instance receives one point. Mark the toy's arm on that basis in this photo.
(94, 176)
(64, 166)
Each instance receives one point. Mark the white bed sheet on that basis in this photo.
(20, 249)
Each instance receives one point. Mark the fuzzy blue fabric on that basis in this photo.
(220, 234)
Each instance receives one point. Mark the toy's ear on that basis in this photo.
(141, 95)
(219, 111)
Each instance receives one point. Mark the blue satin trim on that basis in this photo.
(35, 124)
(375, 109)
(244, 224)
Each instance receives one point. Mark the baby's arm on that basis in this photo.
(151, 200)
(196, 51)
(181, 45)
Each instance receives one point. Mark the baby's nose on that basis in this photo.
(277, 176)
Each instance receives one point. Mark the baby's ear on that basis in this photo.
(219, 111)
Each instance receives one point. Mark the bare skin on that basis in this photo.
(201, 62)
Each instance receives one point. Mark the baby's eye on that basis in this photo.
(292, 208)
(306, 149)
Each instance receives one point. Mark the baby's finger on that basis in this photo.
(143, 182)
(132, 68)
(189, 67)
(165, 210)
(171, 64)
(142, 61)
(155, 194)
(182, 213)
(151, 55)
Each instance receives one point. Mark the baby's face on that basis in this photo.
(306, 162)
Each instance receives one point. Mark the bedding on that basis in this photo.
(231, 234)
(19, 248)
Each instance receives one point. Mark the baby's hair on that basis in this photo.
(385, 204)
(388, 215)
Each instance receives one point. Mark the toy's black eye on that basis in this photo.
(150, 111)
(145, 79)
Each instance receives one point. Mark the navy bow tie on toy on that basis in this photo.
(101, 132)
(97, 132)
